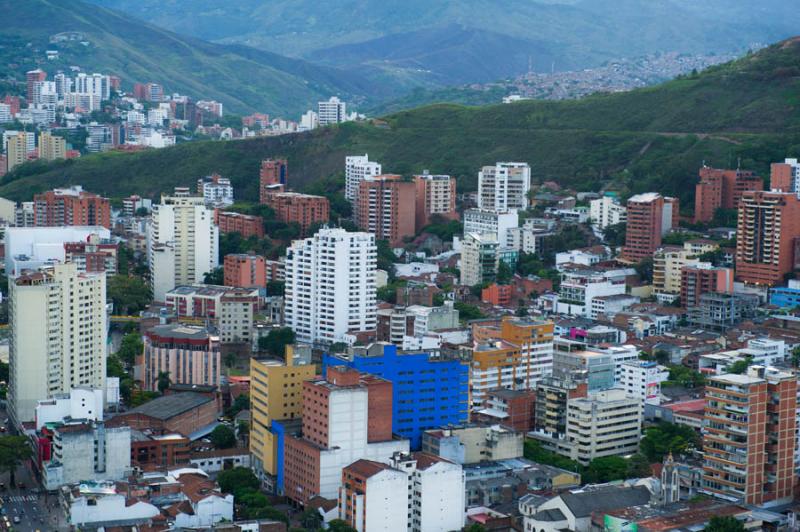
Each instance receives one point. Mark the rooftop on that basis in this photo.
(169, 406)
(177, 330)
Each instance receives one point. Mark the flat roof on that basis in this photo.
(169, 406)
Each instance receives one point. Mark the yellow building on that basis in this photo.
(668, 263)
(52, 147)
(16, 150)
(276, 392)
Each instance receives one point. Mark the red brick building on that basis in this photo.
(71, 206)
(244, 270)
(515, 409)
(273, 172)
(767, 237)
(182, 413)
(32, 77)
(245, 224)
(303, 209)
(721, 189)
(153, 452)
(386, 206)
(696, 281)
(650, 215)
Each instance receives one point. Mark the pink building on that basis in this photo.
(190, 355)
(245, 270)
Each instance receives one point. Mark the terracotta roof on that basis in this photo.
(366, 468)
(426, 460)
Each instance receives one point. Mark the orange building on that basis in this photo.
(302, 209)
(767, 237)
(436, 196)
(498, 295)
(243, 270)
(273, 172)
(696, 281)
(721, 189)
(244, 224)
(785, 176)
(71, 206)
(386, 206)
(645, 226)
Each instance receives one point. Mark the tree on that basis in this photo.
(130, 347)
(664, 438)
(606, 469)
(614, 235)
(215, 277)
(242, 402)
(276, 341)
(661, 356)
(504, 273)
(645, 269)
(222, 437)
(796, 357)
(639, 466)
(467, 312)
(311, 519)
(724, 524)
(338, 347)
(163, 381)
(475, 527)
(13, 451)
(337, 525)
(238, 479)
(130, 295)
(275, 288)
(740, 366)
(686, 376)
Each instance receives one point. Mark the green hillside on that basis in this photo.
(650, 139)
(244, 79)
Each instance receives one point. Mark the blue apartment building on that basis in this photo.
(427, 391)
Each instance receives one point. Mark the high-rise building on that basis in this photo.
(374, 496)
(436, 196)
(16, 150)
(58, 336)
(332, 111)
(32, 77)
(420, 402)
(608, 423)
(238, 309)
(785, 176)
(701, 279)
(71, 206)
(276, 394)
(504, 186)
(356, 169)
(245, 270)
(330, 285)
(347, 416)
(668, 264)
(767, 237)
(650, 216)
(386, 207)
(479, 258)
(52, 147)
(183, 242)
(721, 189)
(305, 210)
(499, 223)
(216, 190)
(273, 172)
(642, 379)
(749, 436)
(187, 354)
(607, 211)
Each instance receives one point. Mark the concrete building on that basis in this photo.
(71, 206)
(332, 111)
(721, 311)
(514, 354)
(722, 189)
(305, 210)
(668, 264)
(436, 197)
(479, 258)
(515, 409)
(702, 279)
(245, 224)
(643, 379)
(78, 403)
(766, 237)
(608, 423)
(650, 216)
(373, 496)
(594, 368)
(435, 492)
(189, 354)
(749, 436)
(82, 451)
(472, 444)
(491, 221)
(419, 401)
(31, 248)
(58, 336)
(216, 190)
(52, 147)
(530, 238)
(504, 186)
(273, 173)
(346, 417)
(607, 211)
(330, 285)
(183, 242)
(357, 168)
(245, 270)
(270, 380)
(133, 203)
(785, 176)
(580, 287)
(237, 314)
(553, 394)
(386, 206)
(16, 147)
(192, 413)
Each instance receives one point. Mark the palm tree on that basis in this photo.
(13, 451)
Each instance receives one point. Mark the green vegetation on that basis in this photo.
(222, 437)
(276, 341)
(130, 347)
(598, 471)
(665, 438)
(129, 294)
(14, 450)
(725, 523)
(467, 312)
(215, 276)
(250, 502)
(740, 366)
(533, 450)
(684, 376)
